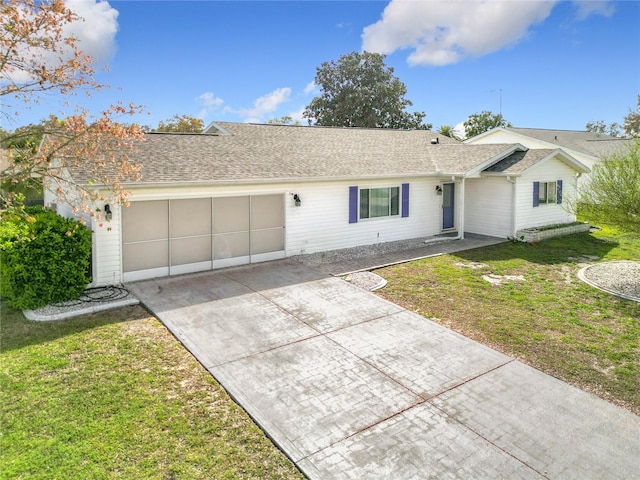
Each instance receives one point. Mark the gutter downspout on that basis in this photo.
(513, 181)
(461, 216)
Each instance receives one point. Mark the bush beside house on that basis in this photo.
(44, 258)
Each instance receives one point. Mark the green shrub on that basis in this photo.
(44, 258)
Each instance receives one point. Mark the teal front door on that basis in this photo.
(448, 203)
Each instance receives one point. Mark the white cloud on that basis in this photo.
(586, 8)
(310, 88)
(297, 115)
(264, 105)
(210, 103)
(96, 33)
(441, 33)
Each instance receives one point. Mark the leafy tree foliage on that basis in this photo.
(44, 258)
(181, 123)
(612, 195)
(359, 90)
(285, 120)
(448, 131)
(630, 127)
(599, 126)
(632, 122)
(37, 57)
(483, 122)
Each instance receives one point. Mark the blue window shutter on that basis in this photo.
(353, 204)
(405, 200)
(559, 195)
(536, 194)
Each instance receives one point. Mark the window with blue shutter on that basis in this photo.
(536, 194)
(559, 194)
(405, 200)
(353, 204)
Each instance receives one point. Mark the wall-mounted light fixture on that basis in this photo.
(438, 190)
(296, 199)
(108, 215)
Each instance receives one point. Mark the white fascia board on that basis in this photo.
(564, 157)
(213, 127)
(485, 134)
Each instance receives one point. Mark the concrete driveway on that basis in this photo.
(351, 386)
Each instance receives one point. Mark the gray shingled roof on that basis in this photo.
(253, 153)
(519, 161)
(591, 143)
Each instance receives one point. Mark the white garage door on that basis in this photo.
(170, 237)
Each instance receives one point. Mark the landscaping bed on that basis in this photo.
(538, 234)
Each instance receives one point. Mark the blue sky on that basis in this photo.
(557, 64)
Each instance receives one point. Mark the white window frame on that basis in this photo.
(543, 193)
(362, 215)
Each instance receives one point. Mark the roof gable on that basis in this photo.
(518, 162)
(578, 141)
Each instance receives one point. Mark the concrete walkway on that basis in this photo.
(351, 386)
(350, 260)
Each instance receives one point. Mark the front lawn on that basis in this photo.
(550, 320)
(114, 395)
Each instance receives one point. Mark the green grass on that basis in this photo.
(114, 395)
(552, 320)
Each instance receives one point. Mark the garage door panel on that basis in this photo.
(145, 255)
(268, 240)
(230, 245)
(190, 250)
(190, 217)
(267, 211)
(143, 221)
(230, 214)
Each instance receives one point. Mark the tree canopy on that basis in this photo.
(484, 121)
(359, 90)
(612, 194)
(180, 123)
(284, 120)
(629, 128)
(632, 121)
(37, 57)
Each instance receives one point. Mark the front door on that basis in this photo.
(448, 202)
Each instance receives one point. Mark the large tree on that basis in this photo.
(484, 121)
(359, 90)
(599, 126)
(632, 121)
(612, 194)
(38, 59)
(180, 123)
(630, 126)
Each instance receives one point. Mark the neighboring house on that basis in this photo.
(244, 193)
(586, 147)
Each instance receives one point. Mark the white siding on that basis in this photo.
(488, 208)
(107, 250)
(527, 215)
(321, 223)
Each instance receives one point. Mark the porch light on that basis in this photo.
(296, 199)
(108, 215)
(438, 190)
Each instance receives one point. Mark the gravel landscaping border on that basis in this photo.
(92, 301)
(620, 278)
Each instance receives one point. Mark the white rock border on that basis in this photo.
(582, 276)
